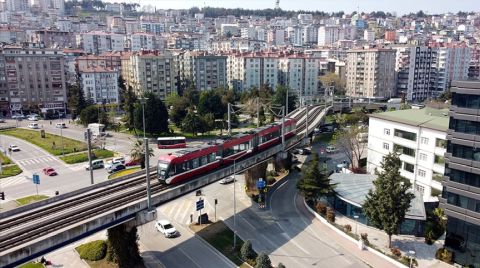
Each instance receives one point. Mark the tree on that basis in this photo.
(388, 202)
(156, 115)
(138, 152)
(208, 122)
(279, 98)
(192, 123)
(263, 261)
(129, 107)
(333, 79)
(179, 108)
(247, 253)
(314, 182)
(76, 100)
(89, 115)
(347, 140)
(122, 246)
(211, 102)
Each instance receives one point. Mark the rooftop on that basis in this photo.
(427, 117)
(353, 188)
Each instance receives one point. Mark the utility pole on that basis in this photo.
(286, 102)
(306, 122)
(229, 120)
(283, 128)
(147, 171)
(89, 136)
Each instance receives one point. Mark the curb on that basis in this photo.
(324, 221)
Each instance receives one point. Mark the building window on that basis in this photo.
(408, 167)
(405, 135)
(404, 150)
(423, 157)
(441, 143)
(420, 188)
(424, 140)
(386, 131)
(422, 173)
(439, 159)
(386, 146)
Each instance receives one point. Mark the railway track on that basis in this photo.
(27, 226)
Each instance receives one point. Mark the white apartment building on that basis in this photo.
(98, 42)
(248, 32)
(452, 64)
(310, 34)
(100, 85)
(419, 136)
(370, 73)
(328, 35)
(139, 41)
(369, 35)
(206, 71)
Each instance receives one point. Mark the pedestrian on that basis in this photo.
(50, 122)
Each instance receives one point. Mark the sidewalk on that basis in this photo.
(425, 254)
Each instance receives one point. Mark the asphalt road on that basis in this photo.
(32, 159)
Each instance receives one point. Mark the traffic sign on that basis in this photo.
(261, 184)
(36, 179)
(200, 204)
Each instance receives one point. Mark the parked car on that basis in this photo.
(331, 149)
(96, 164)
(14, 148)
(166, 228)
(304, 151)
(60, 125)
(33, 126)
(119, 159)
(116, 167)
(2, 120)
(33, 118)
(227, 180)
(132, 162)
(49, 171)
(18, 116)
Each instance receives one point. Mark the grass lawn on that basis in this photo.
(124, 172)
(31, 265)
(51, 143)
(103, 263)
(5, 160)
(10, 171)
(83, 157)
(221, 237)
(30, 199)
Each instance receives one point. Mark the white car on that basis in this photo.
(227, 180)
(33, 118)
(33, 126)
(331, 149)
(114, 162)
(14, 148)
(166, 228)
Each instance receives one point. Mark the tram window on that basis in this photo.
(203, 160)
(195, 163)
(227, 152)
(211, 157)
(180, 168)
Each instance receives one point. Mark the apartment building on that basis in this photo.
(100, 85)
(109, 60)
(17, 5)
(369, 35)
(204, 70)
(53, 38)
(34, 79)
(370, 73)
(461, 184)
(150, 71)
(419, 136)
(452, 64)
(98, 42)
(328, 35)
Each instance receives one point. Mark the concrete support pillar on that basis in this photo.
(253, 174)
(282, 160)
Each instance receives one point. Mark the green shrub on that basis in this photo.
(445, 255)
(321, 208)
(270, 180)
(406, 261)
(330, 215)
(263, 261)
(93, 251)
(247, 253)
(347, 228)
(280, 265)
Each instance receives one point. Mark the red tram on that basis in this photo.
(188, 163)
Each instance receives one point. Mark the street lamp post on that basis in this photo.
(61, 135)
(143, 100)
(411, 255)
(147, 171)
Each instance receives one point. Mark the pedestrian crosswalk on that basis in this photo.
(14, 180)
(181, 210)
(37, 160)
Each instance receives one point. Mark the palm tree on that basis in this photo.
(138, 152)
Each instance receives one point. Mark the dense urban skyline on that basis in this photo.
(401, 7)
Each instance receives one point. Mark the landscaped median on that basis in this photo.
(8, 169)
(30, 199)
(83, 156)
(51, 143)
(122, 173)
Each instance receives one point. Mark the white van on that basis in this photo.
(33, 126)
(60, 125)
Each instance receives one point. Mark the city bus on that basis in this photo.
(171, 142)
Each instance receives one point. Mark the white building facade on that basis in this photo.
(100, 85)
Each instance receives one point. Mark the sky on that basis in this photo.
(398, 6)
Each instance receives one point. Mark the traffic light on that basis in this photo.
(216, 201)
(2, 195)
